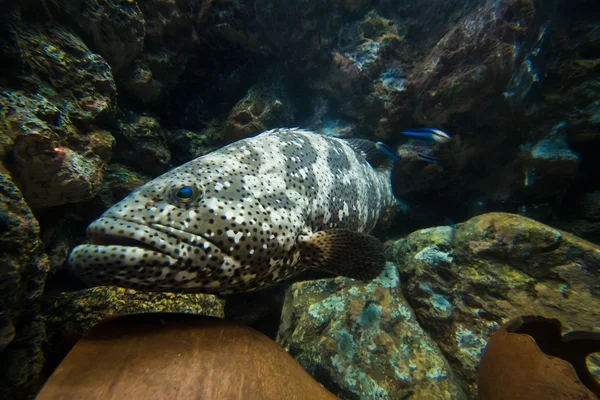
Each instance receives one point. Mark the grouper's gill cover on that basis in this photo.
(243, 217)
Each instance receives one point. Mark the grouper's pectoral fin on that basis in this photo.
(343, 252)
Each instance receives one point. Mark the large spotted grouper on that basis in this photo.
(245, 217)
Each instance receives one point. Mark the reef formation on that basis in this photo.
(97, 98)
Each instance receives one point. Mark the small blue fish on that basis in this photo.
(388, 150)
(432, 134)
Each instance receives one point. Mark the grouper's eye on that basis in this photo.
(187, 193)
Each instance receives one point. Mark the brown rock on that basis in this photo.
(52, 174)
(186, 356)
(527, 358)
(472, 62)
(265, 106)
(54, 146)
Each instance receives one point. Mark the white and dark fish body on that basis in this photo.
(244, 217)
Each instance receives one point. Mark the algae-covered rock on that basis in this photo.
(50, 115)
(70, 314)
(186, 145)
(170, 41)
(52, 165)
(347, 78)
(23, 270)
(79, 311)
(473, 61)
(265, 106)
(141, 143)
(119, 181)
(55, 93)
(354, 6)
(362, 340)
(366, 75)
(55, 64)
(464, 282)
(550, 166)
(116, 29)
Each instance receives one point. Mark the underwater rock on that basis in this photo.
(52, 165)
(79, 311)
(170, 41)
(181, 355)
(51, 174)
(373, 26)
(590, 206)
(365, 76)
(115, 29)
(473, 62)
(345, 82)
(69, 315)
(563, 49)
(119, 181)
(141, 143)
(464, 282)
(355, 6)
(265, 106)
(23, 270)
(267, 28)
(52, 66)
(140, 83)
(389, 101)
(362, 340)
(357, 67)
(550, 167)
(584, 217)
(338, 127)
(530, 357)
(324, 119)
(54, 147)
(186, 145)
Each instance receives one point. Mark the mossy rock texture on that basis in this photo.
(464, 282)
(362, 340)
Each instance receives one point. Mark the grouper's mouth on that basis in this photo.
(137, 255)
(122, 233)
(114, 233)
(105, 239)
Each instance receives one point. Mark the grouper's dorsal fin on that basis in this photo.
(368, 149)
(343, 252)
